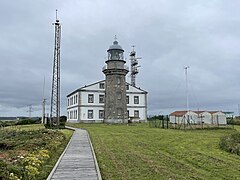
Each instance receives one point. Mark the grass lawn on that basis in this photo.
(30, 151)
(140, 152)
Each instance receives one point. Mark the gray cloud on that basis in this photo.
(168, 36)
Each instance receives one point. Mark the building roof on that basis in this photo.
(178, 113)
(182, 113)
(115, 46)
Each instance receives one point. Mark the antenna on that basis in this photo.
(186, 74)
(56, 14)
(55, 95)
(30, 110)
(43, 103)
(134, 66)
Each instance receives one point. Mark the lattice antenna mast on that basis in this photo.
(43, 103)
(55, 96)
(134, 66)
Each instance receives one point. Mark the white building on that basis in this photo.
(198, 117)
(86, 104)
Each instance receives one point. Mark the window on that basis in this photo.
(136, 113)
(119, 95)
(118, 80)
(101, 85)
(128, 113)
(101, 114)
(68, 102)
(90, 98)
(90, 114)
(76, 99)
(127, 99)
(101, 98)
(136, 100)
(119, 111)
(75, 114)
(127, 87)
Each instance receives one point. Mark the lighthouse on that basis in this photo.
(115, 107)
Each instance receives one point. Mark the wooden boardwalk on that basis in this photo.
(78, 161)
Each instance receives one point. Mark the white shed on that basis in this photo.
(181, 117)
(197, 117)
(218, 117)
(205, 117)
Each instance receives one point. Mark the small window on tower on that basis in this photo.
(127, 87)
(119, 95)
(118, 80)
(119, 111)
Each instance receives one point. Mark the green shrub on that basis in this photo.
(26, 121)
(231, 143)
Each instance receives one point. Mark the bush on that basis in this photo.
(233, 121)
(26, 121)
(231, 143)
(62, 121)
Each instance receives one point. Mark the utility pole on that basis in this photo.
(238, 110)
(30, 110)
(186, 74)
(55, 95)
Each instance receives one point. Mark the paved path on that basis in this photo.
(78, 161)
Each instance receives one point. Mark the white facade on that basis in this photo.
(86, 104)
(181, 117)
(198, 117)
(219, 118)
(205, 117)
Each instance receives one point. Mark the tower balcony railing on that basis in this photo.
(124, 67)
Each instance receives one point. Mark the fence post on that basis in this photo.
(167, 121)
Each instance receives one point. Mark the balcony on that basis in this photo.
(124, 67)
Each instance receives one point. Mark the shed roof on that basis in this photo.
(182, 113)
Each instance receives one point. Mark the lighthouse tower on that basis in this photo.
(115, 108)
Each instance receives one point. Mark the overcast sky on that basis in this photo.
(168, 35)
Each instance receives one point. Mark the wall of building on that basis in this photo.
(206, 117)
(219, 118)
(78, 102)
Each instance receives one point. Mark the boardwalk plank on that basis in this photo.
(78, 160)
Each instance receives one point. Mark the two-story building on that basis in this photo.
(86, 104)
